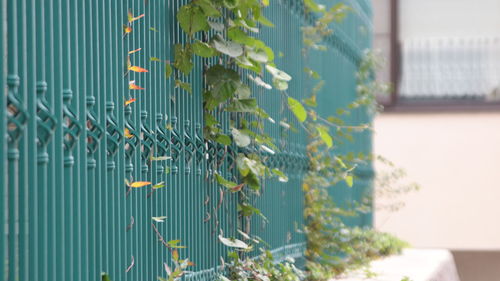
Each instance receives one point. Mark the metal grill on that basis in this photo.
(66, 213)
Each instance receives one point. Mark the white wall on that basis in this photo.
(455, 157)
(446, 18)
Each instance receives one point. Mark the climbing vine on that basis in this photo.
(224, 33)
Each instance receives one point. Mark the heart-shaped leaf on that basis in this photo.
(229, 48)
(298, 109)
(232, 242)
(278, 74)
(241, 139)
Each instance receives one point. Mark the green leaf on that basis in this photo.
(265, 21)
(311, 4)
(243, 91)
(224, 82)
(245, 24)
(312, 73)
(242, 105)
(159, 185)
(268, 50)
(154, 59)
(203, 49)
(341, 163)
(248, 166)
(245, 62)
(281, 176)
(241, 139)
(175, 244)
(226, 183)
(259, 56)
(263, 114)
(184, 85)
(217, 26)
(183, 56)
(325, 136)
(223, 139)
(278, 74)
(105, 277)
(248, 210)
(298, 110)
(208, 8)
(210, 120)
(231, 4)
(192, 19)
(280, 85)
(259, 82)
(349, 180)
(232, 242)
(229, 48)
(219, 74)
(239, 36)
(168, 70)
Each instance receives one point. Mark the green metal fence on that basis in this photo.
(66, 213)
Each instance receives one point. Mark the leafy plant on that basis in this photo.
(232, 24)
(261, 268)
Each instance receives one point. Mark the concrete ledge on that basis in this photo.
(416, 264)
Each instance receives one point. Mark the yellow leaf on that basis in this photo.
(175, 255)
(129, 101)
(133, 86)
(137, 69)
(131, 17)
(138, 184)
(127, 29)
(128, 135)
(134, 51)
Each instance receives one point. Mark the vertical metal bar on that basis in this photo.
(80, 30)
(14, 99)
(27, 172)
(101, 156)
(94, 131)
(119, 12)
(68, 217)
(3, 137)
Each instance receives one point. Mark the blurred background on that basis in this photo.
(441, 125)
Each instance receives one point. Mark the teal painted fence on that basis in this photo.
(66, 213)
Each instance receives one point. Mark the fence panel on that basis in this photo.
(70, 142)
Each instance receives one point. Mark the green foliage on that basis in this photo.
(264, 267)
(234, 22)
(203, 49)
(183, 85)
(183, 58)
(192, 18)
(229, 48)
(334, 248)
